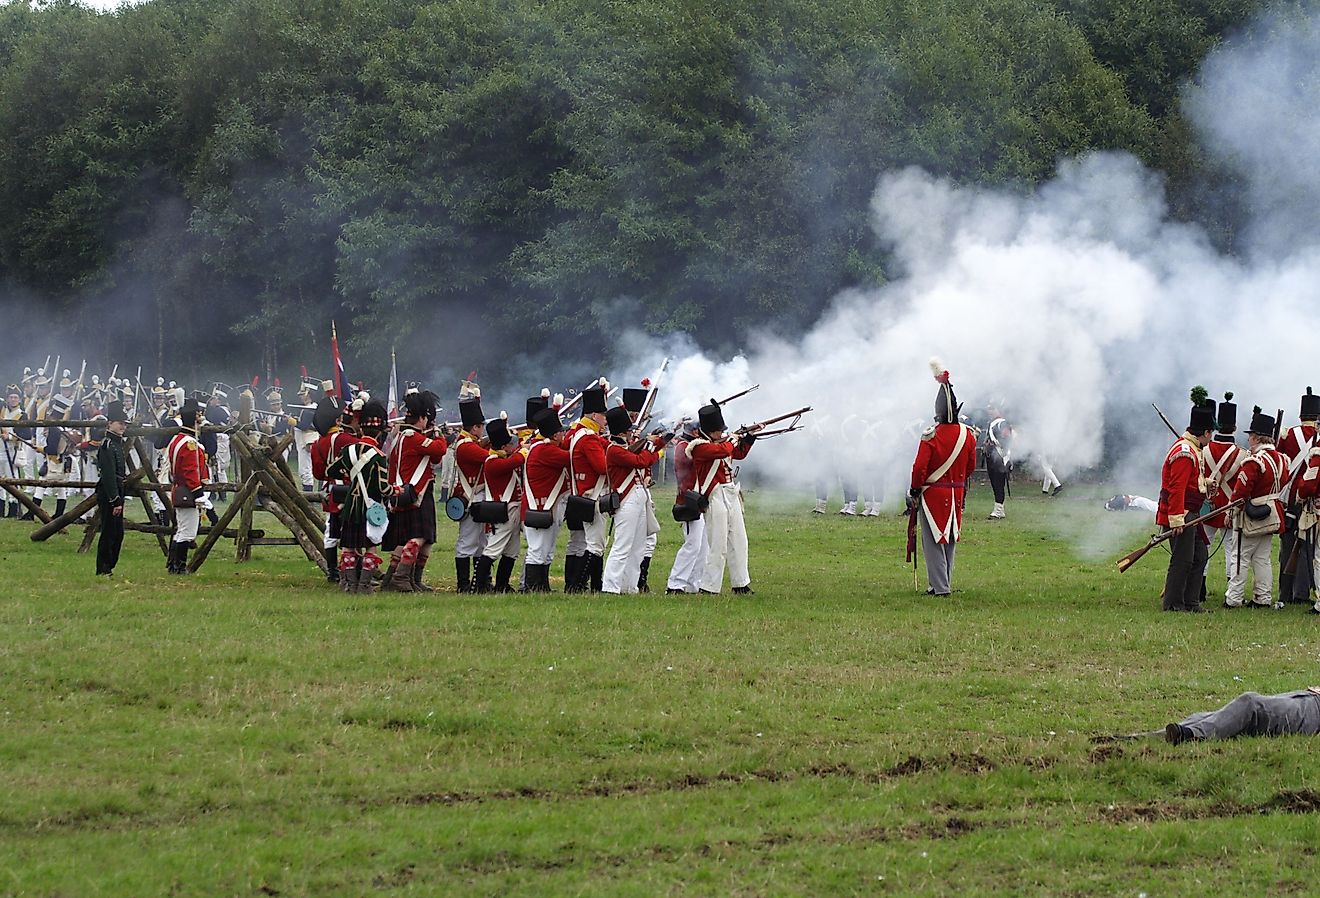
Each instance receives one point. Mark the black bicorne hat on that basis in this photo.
(946, 404)
(547, 421)
(326, 414)
(1310, 405)
(634, 398)
(1227, 415)
(593, 401)
(710, 418)
(470, 412)
(619, 421)
(114, 411)
(497, 430)
(1262, 425)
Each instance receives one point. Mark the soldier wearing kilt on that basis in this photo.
(367, 471)
(412, 520)
(331, 423)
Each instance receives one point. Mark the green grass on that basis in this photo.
(250, 730)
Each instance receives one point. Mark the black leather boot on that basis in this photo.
(60, 506)
(482, 578)
(502, 574)
(641, 580)
(463, 568)
(573, 570)
(595, 571)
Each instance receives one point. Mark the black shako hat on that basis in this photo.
(536, 405)
(634, 399)
(469, 410)
(420, 405)
(547, 421)
(1262, 425)
(618, 420)
(946, 403)
(710, 418)
(1310, 405)
(1202, 418)
(497, 431)
(114, 411)
(326, 414)
(188, 414)
(1227, 416)
(593, 401)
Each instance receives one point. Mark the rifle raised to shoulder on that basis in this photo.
(1133, 557)
(796, 415)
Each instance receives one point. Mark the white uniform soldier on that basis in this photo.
(10, 445)
(690, 561)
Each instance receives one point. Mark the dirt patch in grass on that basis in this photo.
(1299, 801)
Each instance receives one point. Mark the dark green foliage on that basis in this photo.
(246, 170)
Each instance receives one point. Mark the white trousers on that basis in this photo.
(623, 567)
(330, 542)
(29, 462)
(1256, 551)
(54, 475)
(726, 540)
(221, 461)
(503, 538)
(471, 535)
(591, 538)
(690, 562)
(10, 462)
(541, 543)
(304, 460)
(188, 519)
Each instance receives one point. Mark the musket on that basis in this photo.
(568, 406)
(752, 389)
(764, 434)
(77, 389)
(648, 406)
(760, 425)
(1176, 434)
(912, 540)
(1133, 557)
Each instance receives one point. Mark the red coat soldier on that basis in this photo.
(1296, 444)
(188, 471)
(1260, 482)
(328, 421)
(412, 519)
(1182, 492)
(545, 482)
(946, 458)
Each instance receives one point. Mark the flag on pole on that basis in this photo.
(394, 386)
(341, 379)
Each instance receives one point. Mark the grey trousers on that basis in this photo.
(1182, 584)
(1253, 714)
(939, 559)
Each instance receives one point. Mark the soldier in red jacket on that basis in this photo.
(470, 454)
(628, 472)
(1182, 491)
(1296, 444)
(545, 483)
(502, 477)
(584, 558)
(712, 454)
(1260, 482)
(946, 457)
(188, 471)
(1223, 459)
(690, 560)
(329, 423)
(412, 518)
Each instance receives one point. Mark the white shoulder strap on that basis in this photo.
(554, 493)
(943, 469)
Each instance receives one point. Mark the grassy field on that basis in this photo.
(251, 731)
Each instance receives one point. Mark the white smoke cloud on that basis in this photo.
(1078, 304)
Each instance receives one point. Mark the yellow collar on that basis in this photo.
(589, 425)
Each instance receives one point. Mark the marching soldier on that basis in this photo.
(1296, 444)
(10, 444)
(545, 484)
(726, 532)
(584, 561)
(412, 520)
(690, 561)
(470, 457)
(112, 465)
(333, 439)
(363, 520)
(946, 458)
(999, 440)
(1182, 490)
(1260, 482)
(186, 461)
(502, 480)
(628, 475)
(1223, 459)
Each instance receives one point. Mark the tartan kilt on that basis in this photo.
(412, 523)
(353, 535)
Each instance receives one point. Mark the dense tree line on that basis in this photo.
(229, 174)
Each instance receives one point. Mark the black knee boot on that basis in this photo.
(595, 572)
(502, 574)
(573, 571)
(641, 580)
(481, 581)
(59, 506)
(463, 568)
